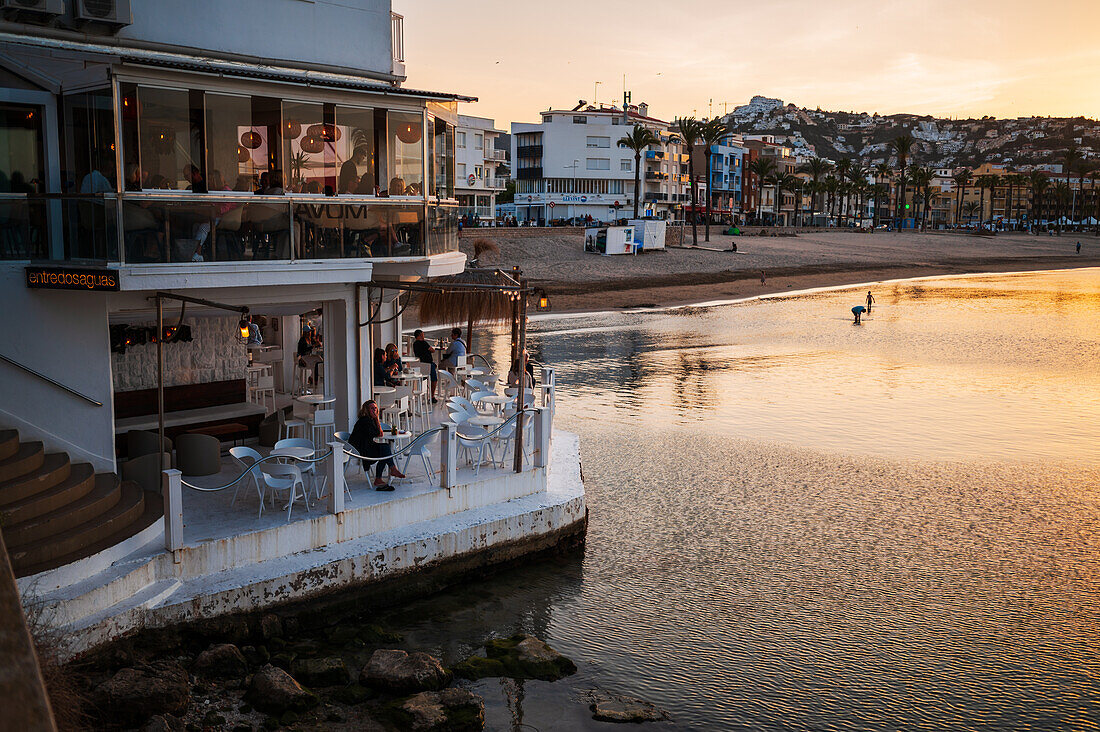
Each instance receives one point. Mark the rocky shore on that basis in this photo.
(310, 670)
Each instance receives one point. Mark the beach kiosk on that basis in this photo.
(649, 234)
(610, 240)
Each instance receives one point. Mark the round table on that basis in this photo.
(476, 371)
(497, 401)
(289, 451)
(314, 400)
(485, 421)
(382, 390)
(393, 437)
(305, 468)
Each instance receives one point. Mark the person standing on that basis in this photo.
(870, 301)
(1078, 247)
(763, 278)
(424, 351)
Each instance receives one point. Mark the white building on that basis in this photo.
(481, 166)
(570, 165)
(192, 163)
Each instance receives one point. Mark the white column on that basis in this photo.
(172, 492)
(448, 455)
(542, 438)
(336, 477)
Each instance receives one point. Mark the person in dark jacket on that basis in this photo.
(367, 427)
(381, 373)
(424, 351)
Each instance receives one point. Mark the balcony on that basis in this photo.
(494, 154)
(529, 151)
(655, 175)
(654, 155)
(397, 39)
(529, 173)
(153, 228)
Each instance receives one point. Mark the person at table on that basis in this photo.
(393, 361)
(527, 370)
(381, 377)
(424, 351)
(455, 350)
(305, 343)
(368, 427)
(349, 171)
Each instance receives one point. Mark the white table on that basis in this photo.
(382, 390)
(485, 421)
(315, 400)
(497, 401)
(396, 438)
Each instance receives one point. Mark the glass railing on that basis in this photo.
(138, 228)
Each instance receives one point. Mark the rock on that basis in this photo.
(223, 660)
(291, 626)
(275, 691)
(257, 656)
(322, 672)
(353, 694)
(163, 723)
(224, 629)
(526, 657)
(271, 626)
(616, 708)
(479, 667)
(133, 695)
(284, 660)
(371, 634)
(403, 673)
(454, 710)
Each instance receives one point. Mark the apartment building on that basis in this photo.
(726, 177)
(758, 202)
(481, 167)
(570, 165)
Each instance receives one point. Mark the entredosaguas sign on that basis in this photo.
(65, 278)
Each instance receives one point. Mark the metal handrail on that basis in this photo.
(248, 470)
(413, 441)
(56, 383)
(502, 425)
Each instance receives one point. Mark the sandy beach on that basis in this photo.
(577, 281)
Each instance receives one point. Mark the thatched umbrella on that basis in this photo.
(478, 296)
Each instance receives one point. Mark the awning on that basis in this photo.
(242, 69)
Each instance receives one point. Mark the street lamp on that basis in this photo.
(572, 213)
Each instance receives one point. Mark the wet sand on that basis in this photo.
(577, 281)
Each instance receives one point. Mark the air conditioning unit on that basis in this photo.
(39, 8)
(111, 12)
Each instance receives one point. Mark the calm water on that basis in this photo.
(798, 523)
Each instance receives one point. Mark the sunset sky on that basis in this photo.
(1006, 58)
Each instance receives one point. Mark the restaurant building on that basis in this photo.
(259, 154)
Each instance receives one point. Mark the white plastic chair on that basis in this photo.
(469, 445)
(419, 446)
(507, 435)
(246, 457)
(477, 396)
(306, 468)
(459, 402)
(398, 412)
(264, 388)
(285, 478)
(322, 426)
(447, 386)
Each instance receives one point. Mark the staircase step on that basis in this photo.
(26, 459)
(76, 540)
(55, 471)
(9, 443)
(151, 512)
(79, 499)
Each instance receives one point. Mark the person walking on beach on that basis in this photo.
(870, 300)
(1078, 247)
(763, 278)
(857, 311)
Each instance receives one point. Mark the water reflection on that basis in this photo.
(797, 523)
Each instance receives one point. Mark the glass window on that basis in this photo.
(169, 140)
(599, 164)
(479, 141)
(579, 120)
(405, 154)
(267, 115)
(461, 170)
(309, 148)
(88, 144)
(231, 162)
(460, 138)
(625, 165)
(616, 186)
(356, 151)
(594, 141)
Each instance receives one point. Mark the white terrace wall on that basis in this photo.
(62, 334)
(213, 354)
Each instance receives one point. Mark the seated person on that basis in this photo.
(367, 427)
(424, 351)
(393, 361)
(527, 370)
(381, 377)
(456, 349)
(348, 181)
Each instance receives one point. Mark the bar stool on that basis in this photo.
(322, 426)
(264, 388)
(292, 427)
(301, 377)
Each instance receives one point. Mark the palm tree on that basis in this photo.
(762, 169)
(711, 132)
(857, 174)
(1063, 194)
(816, 168)
(882, 173)
(984, 183)
(879, 191)
(688, 128)
(638, 140)
(922, 182)
(901, 146)
(782, 182)
(1039, 184)
(962, 182)
(1071, 160)
(831, 186)
(970, 208)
